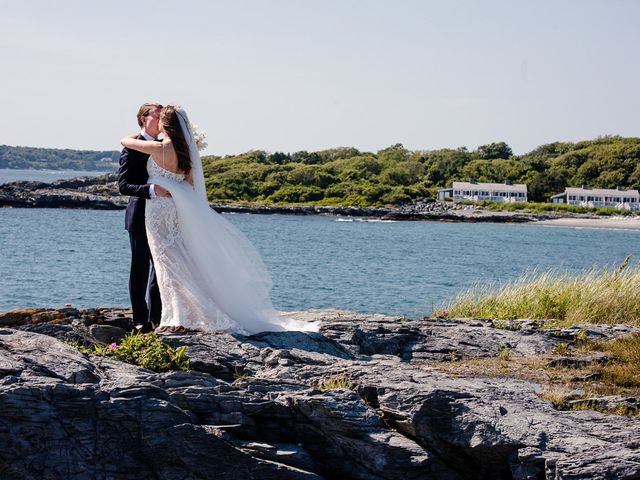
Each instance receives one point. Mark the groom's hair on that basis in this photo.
(145, 109)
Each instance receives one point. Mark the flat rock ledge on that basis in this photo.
(251, 408)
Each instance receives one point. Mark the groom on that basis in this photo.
(132, 181)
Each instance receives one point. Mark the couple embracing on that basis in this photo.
(190, 268)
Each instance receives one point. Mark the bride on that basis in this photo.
(209, 274)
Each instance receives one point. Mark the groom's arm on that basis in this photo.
(126, 184)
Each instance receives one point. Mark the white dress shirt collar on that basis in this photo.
(146, 135)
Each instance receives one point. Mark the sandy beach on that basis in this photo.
(617, 222)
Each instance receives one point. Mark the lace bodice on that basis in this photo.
(155, 170)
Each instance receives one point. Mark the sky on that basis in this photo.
(290, 75)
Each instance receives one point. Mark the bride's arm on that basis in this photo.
(144, 146)
(190, 177)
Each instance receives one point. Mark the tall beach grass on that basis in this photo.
(596, 296)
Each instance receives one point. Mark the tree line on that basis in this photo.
(57, 159)
(395, 175)
(391, 176)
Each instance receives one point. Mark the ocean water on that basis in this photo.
(8, 175)
(50, 257)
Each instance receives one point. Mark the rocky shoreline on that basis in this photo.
(252, 407)
(101, 193)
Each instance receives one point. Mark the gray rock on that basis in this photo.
(66, 333)
(264, 406)
(106, 334)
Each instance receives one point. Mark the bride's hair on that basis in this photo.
(171, 125)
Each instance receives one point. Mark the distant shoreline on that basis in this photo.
(100, 193)
(618, 223)
(102, 170)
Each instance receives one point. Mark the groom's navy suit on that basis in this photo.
(132, 181)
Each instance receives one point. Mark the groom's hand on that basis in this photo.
(161, 192)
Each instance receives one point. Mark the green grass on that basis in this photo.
(504, 353)
(597, 296)
(624, 370)
(334, 382)
(536, 207)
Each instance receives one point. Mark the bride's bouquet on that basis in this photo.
(200, 138)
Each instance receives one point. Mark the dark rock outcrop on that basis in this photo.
(100, 193)
(360, 399)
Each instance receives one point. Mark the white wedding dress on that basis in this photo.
(210, 276)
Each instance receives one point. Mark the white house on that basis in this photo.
(600, 197)
(491, 192)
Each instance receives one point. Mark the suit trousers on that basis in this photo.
(141, 279)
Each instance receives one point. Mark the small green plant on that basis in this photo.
(504, 352)
(626, 410)
(144, 350)
(239, 375)
(556, 397)
(561, 348)
(582, 337)
(334, 382)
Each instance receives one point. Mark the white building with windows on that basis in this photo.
(600, 197)
(490, 192)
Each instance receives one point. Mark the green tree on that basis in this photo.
(494, 150)
(394, 154)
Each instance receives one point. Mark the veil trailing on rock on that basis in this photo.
(228, 265)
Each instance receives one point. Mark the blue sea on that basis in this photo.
(50, 257)
(8, 175)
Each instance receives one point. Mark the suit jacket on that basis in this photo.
(132, 181)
